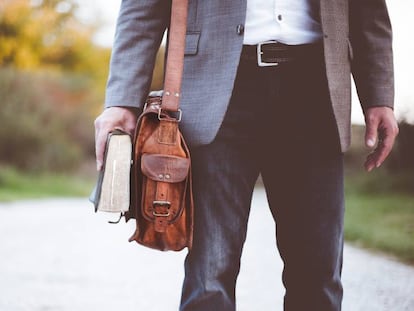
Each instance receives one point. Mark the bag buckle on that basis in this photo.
(177, 117)
(161, 203)
(260, 61)
(153, 106)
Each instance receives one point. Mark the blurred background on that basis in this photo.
(54, 59)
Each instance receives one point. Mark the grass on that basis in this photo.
(382, 221)
(15, 185)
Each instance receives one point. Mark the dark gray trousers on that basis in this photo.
(279, 124)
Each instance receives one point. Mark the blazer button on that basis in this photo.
(240, 29)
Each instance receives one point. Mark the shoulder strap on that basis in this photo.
(175, 55)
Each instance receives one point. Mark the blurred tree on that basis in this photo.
(48, 34)
(52, 80)
(403, 154)
(45, 123)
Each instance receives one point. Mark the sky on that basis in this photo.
(403, 27)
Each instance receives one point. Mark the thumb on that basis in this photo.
(371, 133)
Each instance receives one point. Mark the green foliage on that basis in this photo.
(47, 34)
(46, 123)
(380, 204)
(396, 174)
(16, 185)
(381, 181)
(402, 158)
(381, 222)
(52, 80)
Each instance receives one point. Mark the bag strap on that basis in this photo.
(175, 56)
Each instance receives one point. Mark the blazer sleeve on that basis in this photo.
(139, 31)
(372, 60)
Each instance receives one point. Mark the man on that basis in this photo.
(279, 108)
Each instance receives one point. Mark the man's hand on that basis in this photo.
(381, 130)
(120, 118)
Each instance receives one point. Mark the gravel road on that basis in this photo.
(57, 255)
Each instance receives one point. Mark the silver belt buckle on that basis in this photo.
(260, 62)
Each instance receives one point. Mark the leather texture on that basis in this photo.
(175, 59)
(357, 38)
(165, 168)
(162, 201)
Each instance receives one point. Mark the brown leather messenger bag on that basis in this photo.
(161, 192)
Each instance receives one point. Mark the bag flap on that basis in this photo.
(165, 168)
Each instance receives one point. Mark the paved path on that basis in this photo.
(57, 255)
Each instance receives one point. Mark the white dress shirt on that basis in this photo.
(287, 21)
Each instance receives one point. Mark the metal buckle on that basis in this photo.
(161, 215)
(260, 62)
(177, 118)
(162, 203)
(153, 106)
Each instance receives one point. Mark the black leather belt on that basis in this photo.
(273, 53)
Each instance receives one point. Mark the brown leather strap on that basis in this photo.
(162, 208)
(175, 55)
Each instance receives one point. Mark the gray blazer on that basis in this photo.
(357, 38)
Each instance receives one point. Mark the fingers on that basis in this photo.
(377, 157)
(371, 132)
(381, 127)
(121, 118)
(100, 142)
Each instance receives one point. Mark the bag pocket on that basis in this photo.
(164, 185)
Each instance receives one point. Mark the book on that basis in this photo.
(112, 190)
